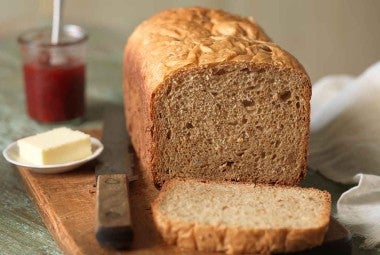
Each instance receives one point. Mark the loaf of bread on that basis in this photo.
(208, 96)
(241, 218)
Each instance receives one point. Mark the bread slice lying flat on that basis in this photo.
(241, 218)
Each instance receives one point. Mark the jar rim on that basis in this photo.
(70, 34)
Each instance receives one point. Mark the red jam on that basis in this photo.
(55, 92)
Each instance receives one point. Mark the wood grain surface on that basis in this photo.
(66, 203)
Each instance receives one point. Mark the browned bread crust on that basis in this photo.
(204, 43)
(225, 237)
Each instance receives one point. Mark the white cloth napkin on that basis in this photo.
(345, 146)
(359, 208)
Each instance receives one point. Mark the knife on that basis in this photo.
(114, 170)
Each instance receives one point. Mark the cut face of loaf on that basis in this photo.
(241, 218)
(235, 121)
(207, 96)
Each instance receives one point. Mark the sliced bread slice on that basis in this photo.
(241, 218)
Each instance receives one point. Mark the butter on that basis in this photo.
(57, 146)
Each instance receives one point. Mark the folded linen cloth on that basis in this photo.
(359, 208)
(345, 141)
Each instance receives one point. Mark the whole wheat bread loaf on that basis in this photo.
(241, 218)
(208, 96)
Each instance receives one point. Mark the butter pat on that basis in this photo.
(60, 145)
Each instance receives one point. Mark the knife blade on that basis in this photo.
(114, 170)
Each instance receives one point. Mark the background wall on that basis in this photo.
(327, 36)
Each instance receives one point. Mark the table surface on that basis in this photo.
(21, 228)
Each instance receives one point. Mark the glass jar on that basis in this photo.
(54, 74)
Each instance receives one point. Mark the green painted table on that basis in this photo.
(21, 228)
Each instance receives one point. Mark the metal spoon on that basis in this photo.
(56, 25)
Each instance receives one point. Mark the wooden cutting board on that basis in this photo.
(66, 203)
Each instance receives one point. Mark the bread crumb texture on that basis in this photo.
(208, 96)
(240, 218)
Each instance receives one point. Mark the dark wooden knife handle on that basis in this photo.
(113, 217)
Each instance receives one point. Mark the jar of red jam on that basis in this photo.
(54, 74)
